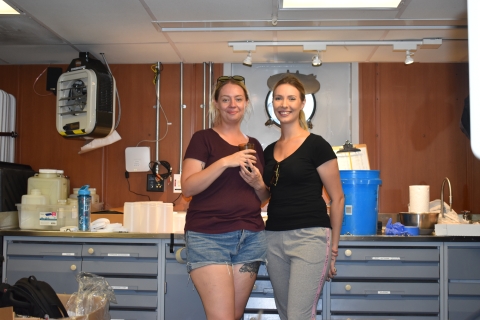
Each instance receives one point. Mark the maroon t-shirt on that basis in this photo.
(229, 203)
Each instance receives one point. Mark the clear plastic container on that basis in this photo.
(50, 184)
(42, 217)
(35, 197)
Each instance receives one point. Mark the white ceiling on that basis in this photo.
(147, 31)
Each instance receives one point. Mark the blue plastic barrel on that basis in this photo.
(360, 188)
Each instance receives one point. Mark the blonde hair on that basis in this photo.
(213, 111)
(293, 81)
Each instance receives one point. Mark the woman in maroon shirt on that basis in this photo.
(224, 230)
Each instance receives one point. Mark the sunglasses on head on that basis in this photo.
(226, 78)
(275, 175)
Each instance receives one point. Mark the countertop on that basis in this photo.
(132, 235)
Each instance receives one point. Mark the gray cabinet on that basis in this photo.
(378, 281)
(463, 285)
(131, 269)
(181, 299)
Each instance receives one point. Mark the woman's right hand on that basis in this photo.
(241, 158)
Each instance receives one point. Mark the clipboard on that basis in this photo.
(352, 160)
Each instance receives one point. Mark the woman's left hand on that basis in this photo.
(333, 271)
(253, 176)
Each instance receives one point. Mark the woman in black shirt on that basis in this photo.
(302, 238)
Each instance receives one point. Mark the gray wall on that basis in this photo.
(336, 116)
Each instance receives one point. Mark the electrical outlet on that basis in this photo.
(177, 185)
(153, 185)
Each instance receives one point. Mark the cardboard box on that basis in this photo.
(7, 313)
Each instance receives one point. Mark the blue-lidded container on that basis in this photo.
(84, 208)
(360, 188)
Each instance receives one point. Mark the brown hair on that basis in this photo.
(293, 81)
(214, 114)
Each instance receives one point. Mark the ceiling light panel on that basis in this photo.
(7, 9)
(335, 4)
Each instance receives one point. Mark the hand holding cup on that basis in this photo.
(246, 146)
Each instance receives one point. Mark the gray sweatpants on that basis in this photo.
(298, 262)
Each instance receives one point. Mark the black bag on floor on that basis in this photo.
(31, 297)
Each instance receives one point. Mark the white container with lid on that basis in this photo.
(50, 184)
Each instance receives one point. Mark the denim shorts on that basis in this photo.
(236, 247)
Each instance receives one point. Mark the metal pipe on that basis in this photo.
(442, 205)
(157, 133)
(210, 94)
(204, 95)
(181, 117)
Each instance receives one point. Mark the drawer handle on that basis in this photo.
(348, 252)
(348, 287)
(178, 256)
(73, 267)
(91, 251)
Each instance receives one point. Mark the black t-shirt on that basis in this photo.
(296, 201)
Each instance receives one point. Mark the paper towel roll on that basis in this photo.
(419, 199)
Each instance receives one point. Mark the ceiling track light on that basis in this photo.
(398, 45)
(408, 57)
(248, 60)
(316, 62)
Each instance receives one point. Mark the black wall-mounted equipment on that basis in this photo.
(85, 99)
(52, 77)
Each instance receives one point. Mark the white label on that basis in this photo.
(119, 287)
(68, 254)
(48, 218)
(348, 210)
(118, 254)
(386, 258)
(383, 292)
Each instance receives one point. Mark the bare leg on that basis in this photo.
(225, 292)
(244, 276)
(215, 286)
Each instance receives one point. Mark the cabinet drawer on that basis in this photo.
(458, 268)
(464, 289)
(388, 254)
(132, 284)
(47, 270)
(255, 316)
(384, 288)
(389, 317)
(384, 304)
(387, 270)
(135, 300)
(121, 267)
(120, 251)
(262, 286)
(43, 249)
(460, 308)
(268, 303)
(132, 315)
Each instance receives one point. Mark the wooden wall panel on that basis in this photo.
(418, 108)
(409, 119)
(40, 146)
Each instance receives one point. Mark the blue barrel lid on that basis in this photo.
(83, 191)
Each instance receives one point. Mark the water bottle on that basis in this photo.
(84, 202)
